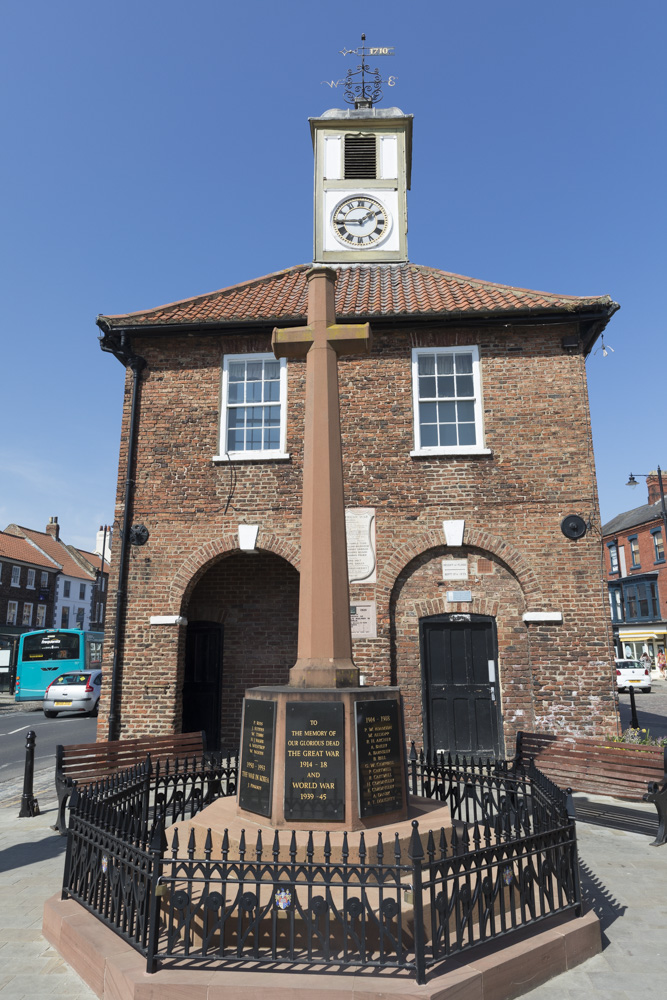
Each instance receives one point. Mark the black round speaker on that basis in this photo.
(139, 534)
(573, 526)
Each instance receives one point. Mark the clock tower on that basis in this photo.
(362, 173)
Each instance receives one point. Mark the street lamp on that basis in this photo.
(632, 483)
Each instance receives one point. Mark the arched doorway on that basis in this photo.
(461, 695)
(254, 600)
(202, 681)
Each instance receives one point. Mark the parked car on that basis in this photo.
(632, 673)
(73, 692)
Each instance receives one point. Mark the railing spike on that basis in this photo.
(258, 846)
(397, 849)
(310, 848)
(443, 843)
(430, 847)
(276, 847)
(292, 847)
(362, 848)
(242, 845)
(208, 845)
(225, 845)
(380, 848)
(415, 850)
(327, 847)
(174, 843)
(345, 852)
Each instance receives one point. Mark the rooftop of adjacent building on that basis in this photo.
(648, 512)
(72, 562)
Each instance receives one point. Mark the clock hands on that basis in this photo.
(359, 222)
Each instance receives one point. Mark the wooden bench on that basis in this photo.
(603, 767)
(86, 763)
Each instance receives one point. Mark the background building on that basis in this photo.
(634, 554)
(79, 593)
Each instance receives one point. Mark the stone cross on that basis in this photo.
(324, 657)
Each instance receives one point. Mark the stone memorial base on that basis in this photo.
(497, 971)
(222, 816)
(322, 758)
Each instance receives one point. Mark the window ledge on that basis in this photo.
(253, 456)
(439, 452)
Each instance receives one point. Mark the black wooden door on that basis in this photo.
(461, 693)
(202, 682)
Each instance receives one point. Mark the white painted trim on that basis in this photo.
(439, 452)
(168, 620)
(252, 456)
(453, 533)
(248, 537)
(460, 449)
(543, 616)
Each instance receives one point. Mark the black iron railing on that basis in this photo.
(509, 860)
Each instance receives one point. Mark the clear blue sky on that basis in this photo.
(148, 146)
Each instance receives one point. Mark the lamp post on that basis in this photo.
(632, 483)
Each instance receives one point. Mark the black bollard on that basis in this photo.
(29, 805)
(634, 721)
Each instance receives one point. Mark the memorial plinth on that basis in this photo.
(322, 759)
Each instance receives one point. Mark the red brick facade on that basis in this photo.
(553, 675)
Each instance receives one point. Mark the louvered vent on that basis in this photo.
(360, 157)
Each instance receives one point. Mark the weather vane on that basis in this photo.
(363, 85)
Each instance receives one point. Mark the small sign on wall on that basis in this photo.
(454, 569)
(363, 620)
(360, 531)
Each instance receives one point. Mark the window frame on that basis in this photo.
(12, 612)
(458, 449)
(260, 454)
(656, 535)
(613, 553)
(40, 620)
(16, 577)
(27, 613)
(30, 585)
(633, 542)
(44, 580)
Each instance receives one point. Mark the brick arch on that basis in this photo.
(441, 606)
(195, 565)
(474, 538)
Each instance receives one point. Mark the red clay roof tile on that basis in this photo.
(362, 290)
(20, 549)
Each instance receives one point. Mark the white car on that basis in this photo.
(632, 673)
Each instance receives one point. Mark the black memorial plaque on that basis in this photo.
(315, 761)
(256, 778)
(379, 757)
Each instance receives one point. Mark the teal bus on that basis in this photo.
(45, 654)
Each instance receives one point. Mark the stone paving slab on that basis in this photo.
(623, 878)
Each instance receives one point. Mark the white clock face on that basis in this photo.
(359, 221)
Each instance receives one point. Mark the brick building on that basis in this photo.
(27, 584)
(634, 553)
(466, 443)
(78, 594)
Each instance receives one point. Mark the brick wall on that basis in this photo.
(541, 469)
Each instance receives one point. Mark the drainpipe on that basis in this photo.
(137, 364)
